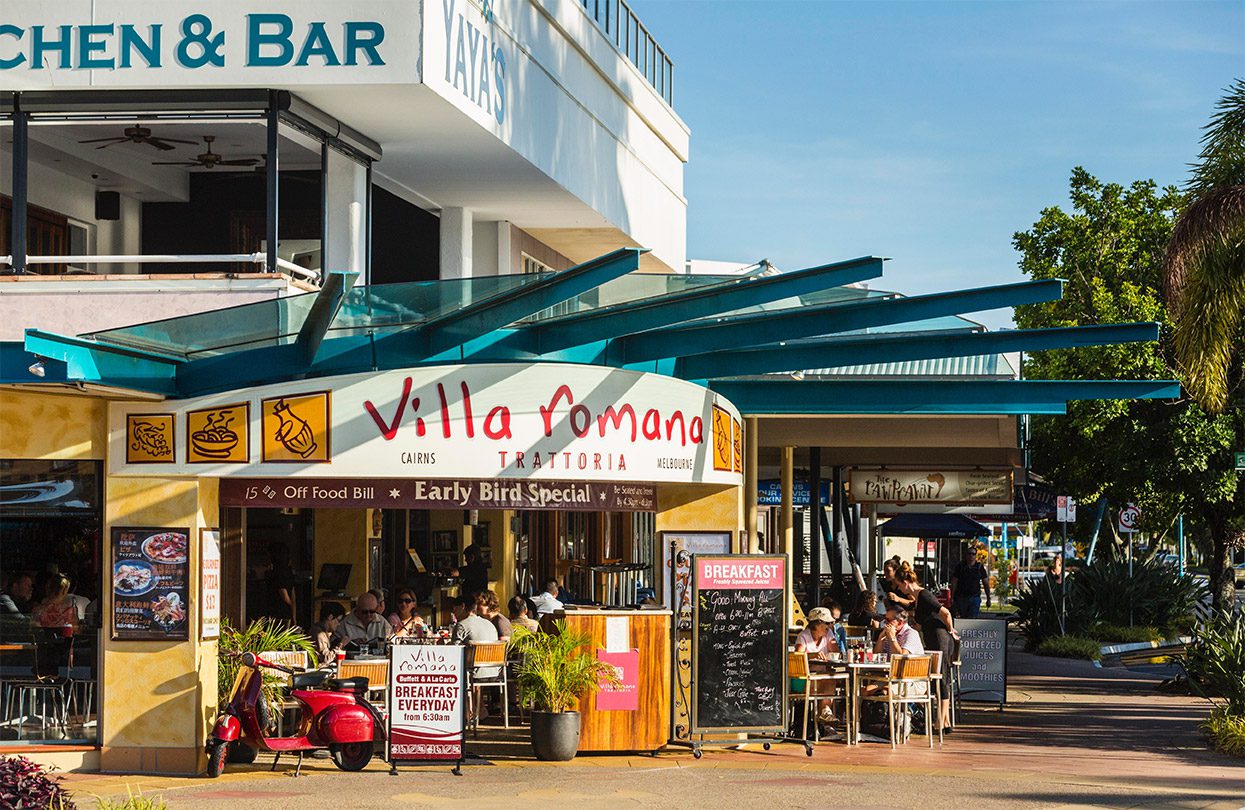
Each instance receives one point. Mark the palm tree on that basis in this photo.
(1204, 275)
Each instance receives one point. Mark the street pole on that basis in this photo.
(1063, 584)
(1180, 540)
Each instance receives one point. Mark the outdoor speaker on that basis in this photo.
(108, 205)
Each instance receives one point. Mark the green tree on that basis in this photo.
(1205, 278)
(1168, 457)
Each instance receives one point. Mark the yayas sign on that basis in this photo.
(545, 421)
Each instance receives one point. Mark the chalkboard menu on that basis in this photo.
(739, 643)
(150, 596)
(983, 660)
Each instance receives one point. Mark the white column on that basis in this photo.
(750, 482)
(456, 245)
(786, 519)
(345, 241)
(505, 266)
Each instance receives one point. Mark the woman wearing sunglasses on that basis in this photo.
(406, 618)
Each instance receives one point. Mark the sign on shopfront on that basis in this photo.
(491, 423)
(209, 584)
(150, 594)
(427, 706)
(952, 487)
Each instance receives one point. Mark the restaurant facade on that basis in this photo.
(357, 286)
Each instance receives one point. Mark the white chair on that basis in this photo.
(798, 669)
(907, 683)
(488, 655)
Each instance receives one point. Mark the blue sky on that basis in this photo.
(928, 132)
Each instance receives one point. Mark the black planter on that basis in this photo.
(555, 735)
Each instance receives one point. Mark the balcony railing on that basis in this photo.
(632, 39)
(260, 258)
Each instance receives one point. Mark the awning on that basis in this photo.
(918, 525)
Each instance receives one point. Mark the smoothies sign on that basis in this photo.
(149, 583)
(495, 421)
(427, 714)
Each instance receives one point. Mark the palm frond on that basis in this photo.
(1222, 162)
(554, 671)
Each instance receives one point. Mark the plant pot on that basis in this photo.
(555, 735)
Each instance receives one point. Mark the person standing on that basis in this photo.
(968, 580)
(279, 585)
(473, 575)
(937, 631)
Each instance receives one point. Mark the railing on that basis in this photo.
(260, 258)
(624, 29)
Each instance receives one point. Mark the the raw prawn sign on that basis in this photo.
(535, 421)
(949, 487)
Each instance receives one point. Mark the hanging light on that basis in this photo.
(36, 368)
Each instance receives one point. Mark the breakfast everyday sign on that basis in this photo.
(546, 421)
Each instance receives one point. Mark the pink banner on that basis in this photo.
(625, 697)
(739, 572)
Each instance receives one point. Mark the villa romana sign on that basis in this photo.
(948, 487)
(543, 421)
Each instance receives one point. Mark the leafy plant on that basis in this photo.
(1226, 732)
(1070, 647)
(1154, 594)
(259, 636)
(1214, 661)
(554, 672)
(1115, 634)
(1037, 608)
(133, 801)
(26, 785)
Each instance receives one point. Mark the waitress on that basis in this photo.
(937, 632)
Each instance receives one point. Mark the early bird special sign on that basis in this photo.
(535, 421)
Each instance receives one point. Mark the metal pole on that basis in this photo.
(21, 143)
(787, 518)
(273, 169)
(1180, 540)
(750, 483)
(814, 526)
(1063, 584)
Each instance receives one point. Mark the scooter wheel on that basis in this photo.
(351, 756)
(216, 759)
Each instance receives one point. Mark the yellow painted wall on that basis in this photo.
(700, 508)
(341, 537)
(35, 425)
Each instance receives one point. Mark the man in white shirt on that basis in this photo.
(364, 624)
(547, 601)
(470, 628)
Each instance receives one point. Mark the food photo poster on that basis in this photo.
(150, 569)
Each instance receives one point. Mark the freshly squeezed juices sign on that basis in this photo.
(149, 583)
(496, 421)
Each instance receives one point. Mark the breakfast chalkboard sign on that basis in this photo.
(150, 587)
(739, 643)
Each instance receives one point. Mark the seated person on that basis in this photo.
(865, 613)
(487, 606)
(472, 629)
(837, 630)
(406, 619)
(897, 637)
(16, 599)
(56, 609)
(518, 614)
(547, 600)
(364, 624)
(325, 630)
(816, 638)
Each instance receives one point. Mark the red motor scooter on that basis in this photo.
(335, 715)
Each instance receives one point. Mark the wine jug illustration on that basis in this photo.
(294, 433)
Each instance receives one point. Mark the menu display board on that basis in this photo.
(677, 549)
(983, 660)
(739, 643)
(209, 584)
(150, 596)
(427, 710)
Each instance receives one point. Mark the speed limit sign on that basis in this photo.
(1130, 516)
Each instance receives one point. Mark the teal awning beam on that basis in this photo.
(852, 351)
(328, 301)
(798, 322)
(688, 305)
(474, 320)
(119, 366)
(920, 396)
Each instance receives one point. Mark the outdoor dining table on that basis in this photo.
(856, 670)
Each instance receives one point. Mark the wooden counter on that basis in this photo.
(645, 728)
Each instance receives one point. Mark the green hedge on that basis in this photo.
(1114, 634)
(1226, 733)
(1070, 647)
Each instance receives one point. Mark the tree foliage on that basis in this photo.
(1168, 457)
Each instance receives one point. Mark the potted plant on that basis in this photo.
(260, 636)
(554, 672)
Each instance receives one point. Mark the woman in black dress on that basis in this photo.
(937, 632)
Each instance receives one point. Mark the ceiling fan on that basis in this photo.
(209, 159)
(138, 134)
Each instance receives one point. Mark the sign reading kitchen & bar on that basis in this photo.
(400, 493)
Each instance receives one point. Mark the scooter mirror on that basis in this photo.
(249, 659)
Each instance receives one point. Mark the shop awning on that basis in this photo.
(933, 526)
(811, 341)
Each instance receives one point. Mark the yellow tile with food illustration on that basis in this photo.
(296, 428)
(149, 438)
(218, 435)
(722, 448)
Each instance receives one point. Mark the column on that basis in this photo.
(456, 245)
(787, 517)
(505, 265)
(750, 483)
(345, 221)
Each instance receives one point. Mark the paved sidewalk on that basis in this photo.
(1072, 735)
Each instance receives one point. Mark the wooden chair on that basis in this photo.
(907, 683)
(798, 669)
(935, 684)
(488, 655)
(285, 658)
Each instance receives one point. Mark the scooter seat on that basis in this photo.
(305, 680)
(358, 684)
